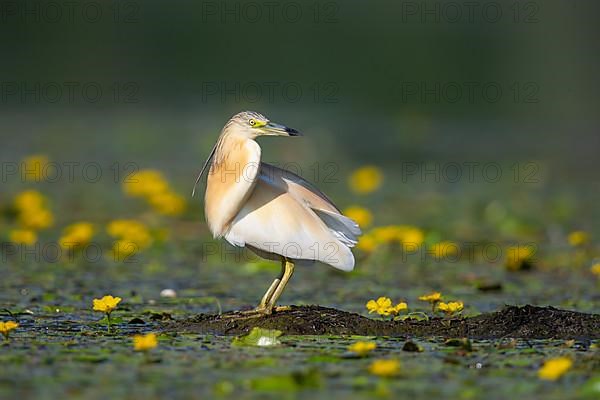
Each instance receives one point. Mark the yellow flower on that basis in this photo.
(398, 233)
(6, 327)
(519, 257)
(452, 307)
(106, 304)
(167, 203)
(33, 167)
(382, 306)
(366, 179)
(410, 234)
(596, 269)
(385, 368)
(367, 243)
(77, 235)
(402, 306)
(145, 183)
(28, 200)
(123, 249)
(31, 210)
(432, 297)
(144, 342)
(23, 236)
(578, 238)
(360, 215)
(555, 368)
(130, 231)
(444, 249)
(36, 219)
(413, 236)
(362, 348)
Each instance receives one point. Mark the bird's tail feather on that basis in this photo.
(343, 228)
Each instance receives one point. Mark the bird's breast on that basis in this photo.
(231, 179)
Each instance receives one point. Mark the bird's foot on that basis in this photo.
(254, 313)
(257, 312)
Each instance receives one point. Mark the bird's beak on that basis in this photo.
(280, 130)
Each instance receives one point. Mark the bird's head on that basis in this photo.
(252, 124)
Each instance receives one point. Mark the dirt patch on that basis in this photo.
(515, 322)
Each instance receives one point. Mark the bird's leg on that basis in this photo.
(262, 308)
(288, 271)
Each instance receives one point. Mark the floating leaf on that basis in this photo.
(416, 316)
(259, 337)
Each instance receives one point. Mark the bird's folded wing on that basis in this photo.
(344, 228)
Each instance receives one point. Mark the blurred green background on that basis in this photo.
(379, 81)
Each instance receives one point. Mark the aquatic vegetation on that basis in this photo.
(152, 186)
(367, 243)
(361, 215)
(107, 305)
(32, 210)
(132, 236)
(145, 183)
(362, 348)
(168, 203)
(398, 233)
(77, 235)
(385, 368)
(7, 327)
(433, 297)
(578, 238)
(555, 368)
(365, 180)
(259, 337)
(130, 230)
(519, 258)
(408, 236)
(181, 277)
(145, 342)
(398, 308)
(450, 308)
(383, 306)
(23, 236)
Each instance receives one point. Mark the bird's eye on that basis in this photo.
(252, 122)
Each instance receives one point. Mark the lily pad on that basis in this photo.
(259, 337)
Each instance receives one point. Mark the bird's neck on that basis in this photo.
(229, 145)
(231, 178)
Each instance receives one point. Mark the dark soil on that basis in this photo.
(511, 322)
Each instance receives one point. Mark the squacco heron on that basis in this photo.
(272, 211)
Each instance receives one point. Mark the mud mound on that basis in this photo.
(514, 322)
